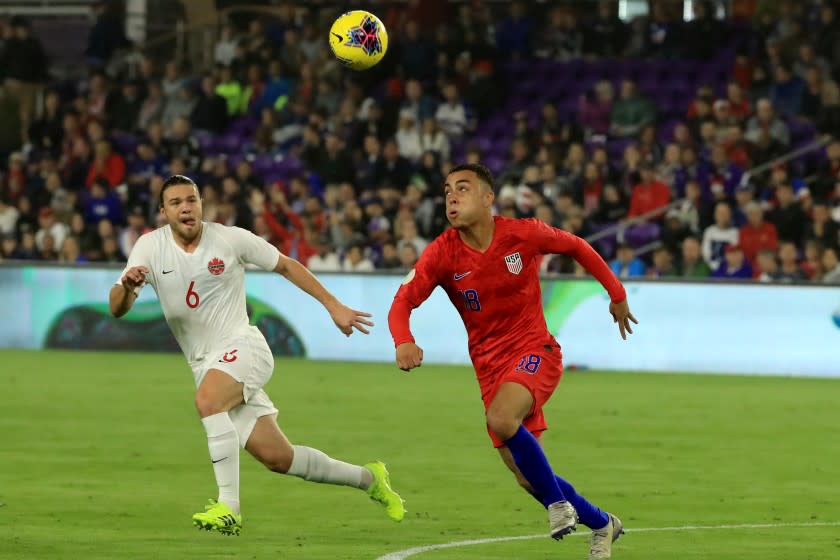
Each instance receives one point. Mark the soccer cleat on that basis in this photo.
(562, 519)
(218, 516)
(380, 491)
(600, 543)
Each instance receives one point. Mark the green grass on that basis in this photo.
(102, 456)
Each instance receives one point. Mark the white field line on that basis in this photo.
(402, 554)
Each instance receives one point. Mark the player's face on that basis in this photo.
(468, 200)
(182, 208)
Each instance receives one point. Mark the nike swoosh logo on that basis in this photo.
(339, 37)
(459, 276)
(168, 271)
(216, 461)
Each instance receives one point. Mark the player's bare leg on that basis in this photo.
(270, 446)
(603, 535)
(217, 394)
(511, 405)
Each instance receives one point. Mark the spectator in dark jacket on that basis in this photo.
(25, 68)
(210, 111)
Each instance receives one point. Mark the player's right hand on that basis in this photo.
(409, 356)
(134, 278)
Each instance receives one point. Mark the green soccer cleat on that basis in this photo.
(218, 516)
(380, 491)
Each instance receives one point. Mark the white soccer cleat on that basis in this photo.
(600, 543)
(562, 519)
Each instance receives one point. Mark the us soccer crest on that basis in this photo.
(514, 263)
(216, 266)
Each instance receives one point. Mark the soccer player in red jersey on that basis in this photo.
(488, 267)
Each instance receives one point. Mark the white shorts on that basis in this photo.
(248, 359)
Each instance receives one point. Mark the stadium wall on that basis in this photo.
(691, 327)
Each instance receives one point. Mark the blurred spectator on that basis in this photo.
(416, 103)
(626, 264)
(325, 260)
(560, 39)
(812, 93)
(408, 138)
(812, 263)
(828, 117)
(432, 139)
(756, 234)
(693, 265)
(790, 270)
(662, 32)
(451, 115)
(739, 105)
(8, 216)
(663, 264)
(106, 164)
(107, 34)
(606, 35)
(70, 252)
(50, 228)
(151, 109)
(830, 266)
(226, 46)
(514, 35)
(416, 53)
(211, 111)
(827, 39)
(173, 81)
(821, 227)
(718, 236)
(699, 30)
(786, 92)
(125, 109)
(180, 105)
(649, 195)
(734, 265)
(355, 260)
(24, 67)
(595, 112)
(183, 144)
(767, 266)
(101, 202)
(631, 111)
(611, 207)
(766, 120)
(787, 216)
(135, 228)
(408, 256)
(46, 132)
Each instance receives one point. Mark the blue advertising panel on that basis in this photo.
(726, 328)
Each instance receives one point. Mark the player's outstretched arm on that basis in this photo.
(345, 318)
(122, 295)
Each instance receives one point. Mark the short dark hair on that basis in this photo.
(173, 181)
(484, 174)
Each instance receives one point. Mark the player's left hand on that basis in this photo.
(621, 315)
(347, 319)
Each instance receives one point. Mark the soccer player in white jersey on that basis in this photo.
(197, 270)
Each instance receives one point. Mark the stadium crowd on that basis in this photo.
(343, 170)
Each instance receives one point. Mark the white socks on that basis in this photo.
(316, 466)
(223, 443)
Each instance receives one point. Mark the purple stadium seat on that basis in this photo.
(642, 234)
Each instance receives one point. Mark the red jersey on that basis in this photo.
(497, 292)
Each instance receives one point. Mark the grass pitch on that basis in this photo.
(102, 456)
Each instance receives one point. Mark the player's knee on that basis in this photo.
(502, 424)
(206, 405)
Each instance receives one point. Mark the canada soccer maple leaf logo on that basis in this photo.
(216, 266)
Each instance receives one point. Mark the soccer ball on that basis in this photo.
(358, 39)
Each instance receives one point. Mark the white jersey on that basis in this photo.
(202, 293)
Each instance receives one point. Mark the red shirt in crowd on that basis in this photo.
(646, 198)
(754, 239)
